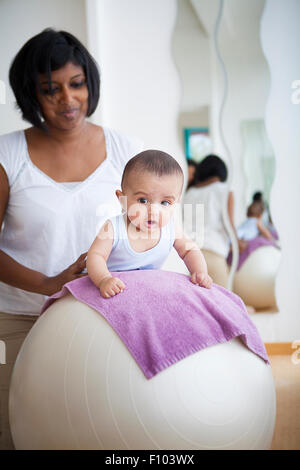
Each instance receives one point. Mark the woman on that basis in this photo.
(211, 190)
(57, 179)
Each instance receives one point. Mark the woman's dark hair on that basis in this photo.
(209, 167)
(48, 51)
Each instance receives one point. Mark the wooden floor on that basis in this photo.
(287, 383)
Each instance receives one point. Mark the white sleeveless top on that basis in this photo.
(215, 234)
(125, 258)
(248, 229)
(48, 224)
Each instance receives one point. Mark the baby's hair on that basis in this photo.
(152, 161)
(255, 209)
(258, 196)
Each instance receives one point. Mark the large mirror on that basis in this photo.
(225, 84)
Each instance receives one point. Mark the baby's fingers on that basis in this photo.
(200, 277)
(206, 282)
(116, 289)
(120, 284)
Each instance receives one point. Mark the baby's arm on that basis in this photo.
(96, 263)
(264, 231)
(192, 257)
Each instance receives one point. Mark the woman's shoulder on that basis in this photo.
(121, 146)
(190, 193)
(222, 186)
(12, 152)
(213, 190)
(11, 138)
(218, 187)
(120, 138)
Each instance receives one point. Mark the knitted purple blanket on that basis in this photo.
(162, 317)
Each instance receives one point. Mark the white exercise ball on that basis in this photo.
(254, 282)
(76, 386)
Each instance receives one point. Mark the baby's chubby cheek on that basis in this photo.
(137, 213)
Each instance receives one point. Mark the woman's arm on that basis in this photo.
(193, 258)
(17, 275)
(96, 263)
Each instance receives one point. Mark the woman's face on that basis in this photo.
(67, 107)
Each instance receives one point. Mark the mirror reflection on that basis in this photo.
(251, 163)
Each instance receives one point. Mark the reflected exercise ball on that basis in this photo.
(254, 282)
(76, 386)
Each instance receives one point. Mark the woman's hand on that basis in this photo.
(202, 279)
(55, 283)
(110, 286)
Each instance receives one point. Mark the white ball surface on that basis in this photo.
(76, 386)
(254, 282)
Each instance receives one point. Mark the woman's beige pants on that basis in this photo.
(13, 331)
(217, 267)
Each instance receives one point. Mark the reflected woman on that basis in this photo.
(210, 189)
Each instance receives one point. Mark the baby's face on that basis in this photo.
(151, 199)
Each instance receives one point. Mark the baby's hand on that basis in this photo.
(110, 286)
(202, 279)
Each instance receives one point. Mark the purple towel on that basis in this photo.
(162, 317)
(253, 245)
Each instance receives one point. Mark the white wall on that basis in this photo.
(191, 54)
(190, 49)
(248, 90)
(19, 21)
(248, 86)
(202, 78)
(280, 35)
(140, 87)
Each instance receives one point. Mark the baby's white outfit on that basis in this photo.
(248, 230)
(124, 258)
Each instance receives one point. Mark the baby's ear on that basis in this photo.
(122, 199)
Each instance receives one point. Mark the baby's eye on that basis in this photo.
(165, 203)
(142, 200)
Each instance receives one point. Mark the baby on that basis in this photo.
(253, 225)
(144, 234)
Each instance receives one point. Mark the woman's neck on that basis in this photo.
(69, 136)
